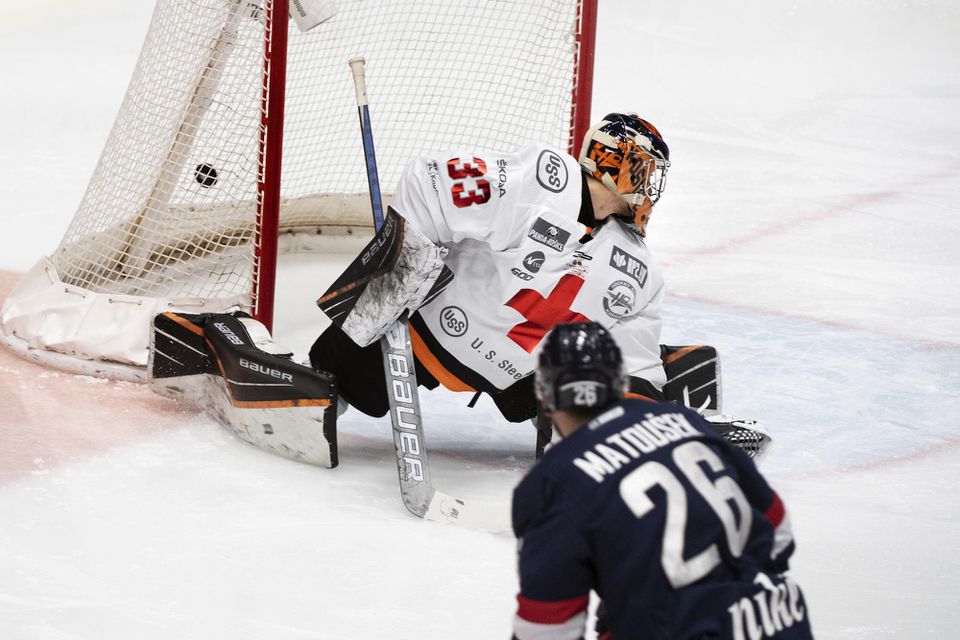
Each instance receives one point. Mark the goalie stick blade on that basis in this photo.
(493, 518)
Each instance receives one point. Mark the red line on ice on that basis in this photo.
(49, 418)
(849, 205)
(846, 206)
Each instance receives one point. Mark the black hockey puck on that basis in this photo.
(205, 174)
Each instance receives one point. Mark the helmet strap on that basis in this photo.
(587, 216)
(609, 183)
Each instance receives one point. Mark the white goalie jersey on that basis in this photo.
(522, 263)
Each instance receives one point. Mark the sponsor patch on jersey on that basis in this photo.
(453, 321)
(579, 265)
(433, 171)
(520, 273)
(549, 235)
(628, 265)
(619, 300)
(551, 171)
(534, 261)
(502, 177)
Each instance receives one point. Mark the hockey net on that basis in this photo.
(174, 215)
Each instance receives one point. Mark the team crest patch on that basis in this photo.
(619, 300)
(549, 235)
(551, 171)
(629, 266)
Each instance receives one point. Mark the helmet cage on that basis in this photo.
(628, 155)
(640, 175)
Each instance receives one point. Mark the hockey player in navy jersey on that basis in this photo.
(645, 504)
(488, 250)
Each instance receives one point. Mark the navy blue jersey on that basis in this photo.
(671, 525)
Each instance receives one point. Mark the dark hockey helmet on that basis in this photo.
(580, 367)
(628, 155)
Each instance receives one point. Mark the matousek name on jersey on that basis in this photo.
(646, 436)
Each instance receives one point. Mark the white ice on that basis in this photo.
(809, 230)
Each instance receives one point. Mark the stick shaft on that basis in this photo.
(357, 67)
(416, 488)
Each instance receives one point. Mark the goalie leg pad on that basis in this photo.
(693, 380)
(693, 377)
(266, 399)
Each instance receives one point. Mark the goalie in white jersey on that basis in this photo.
(487, 251)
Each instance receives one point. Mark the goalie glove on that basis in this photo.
(398, 270)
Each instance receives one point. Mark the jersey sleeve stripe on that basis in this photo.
(441, 364)
(782, 538)
(571, 629)
(430, 361)
(778, 517)
(550, 612)
(775, 512)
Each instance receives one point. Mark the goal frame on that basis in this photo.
(46, 287)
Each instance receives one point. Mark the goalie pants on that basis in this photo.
(361, 380)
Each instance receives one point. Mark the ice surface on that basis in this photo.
(809, 230)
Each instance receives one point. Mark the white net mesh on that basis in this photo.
(171, 208)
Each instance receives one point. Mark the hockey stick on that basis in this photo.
(416, 488)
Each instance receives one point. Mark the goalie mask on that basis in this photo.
(580, 367)
(628, 155)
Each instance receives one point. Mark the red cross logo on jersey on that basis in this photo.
(543, 313)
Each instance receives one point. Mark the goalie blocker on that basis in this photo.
(398, 271)
(228, 364)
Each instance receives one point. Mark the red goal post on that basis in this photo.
(237, 139)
